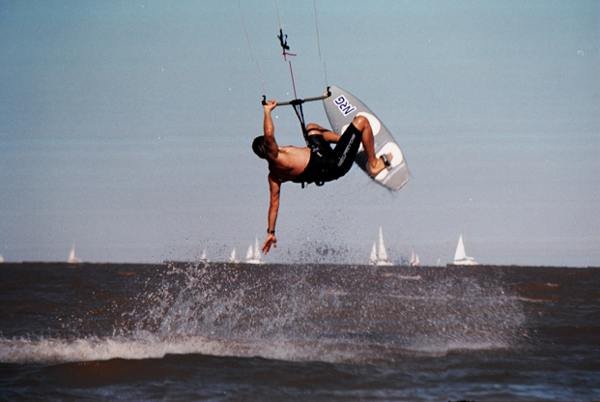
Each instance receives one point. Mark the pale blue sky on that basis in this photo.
(125, 128)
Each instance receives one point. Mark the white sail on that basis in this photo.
(232, 257)
(1, 259)
(381, 252)
(203, 257)
(414, 259)
(72, 258)
(460, 255)
(381, 257)
(373, 256)
(253, 254)
(256, 249)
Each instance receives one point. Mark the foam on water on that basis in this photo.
(56, 350)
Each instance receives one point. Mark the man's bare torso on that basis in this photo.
(290, 163)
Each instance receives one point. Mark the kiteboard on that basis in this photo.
(341, 107)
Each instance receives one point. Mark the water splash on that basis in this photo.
(334, 311)
(331, 313)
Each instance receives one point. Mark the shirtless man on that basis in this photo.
(318, 163)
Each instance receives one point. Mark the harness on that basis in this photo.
(314, 147)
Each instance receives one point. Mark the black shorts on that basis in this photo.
(327, 164)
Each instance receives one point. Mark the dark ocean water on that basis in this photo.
(298, 332)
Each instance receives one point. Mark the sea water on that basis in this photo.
(196, 331)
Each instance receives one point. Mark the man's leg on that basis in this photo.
(374, 164)
(328, 135)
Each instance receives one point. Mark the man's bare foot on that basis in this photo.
(380, 164)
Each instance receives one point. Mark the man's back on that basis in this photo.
(290, 162)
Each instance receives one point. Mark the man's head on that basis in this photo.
(259, 148)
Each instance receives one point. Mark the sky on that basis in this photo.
(125, 128)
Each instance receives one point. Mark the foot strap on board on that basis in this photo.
(386, 161)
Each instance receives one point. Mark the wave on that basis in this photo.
(57, 350)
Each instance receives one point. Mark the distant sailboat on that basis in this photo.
(414, 259)
(378, 252)
(1, 259)
(203, 257)
(460, 256)
(253, 253)
(373, 256)
(232, 258)
(72, 258)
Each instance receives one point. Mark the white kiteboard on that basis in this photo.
(341, 107)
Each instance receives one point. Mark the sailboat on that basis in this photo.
(373, 256)
(378, 253)
(203, 257)
(460, 256)
(253, 253)
(414, 259)
(232, 258)
(1, 259)
(72, 258)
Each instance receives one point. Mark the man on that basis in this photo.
(318, 164)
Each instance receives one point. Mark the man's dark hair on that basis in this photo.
(259, 148)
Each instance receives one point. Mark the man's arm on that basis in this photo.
(269, 130)
(274, 189)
